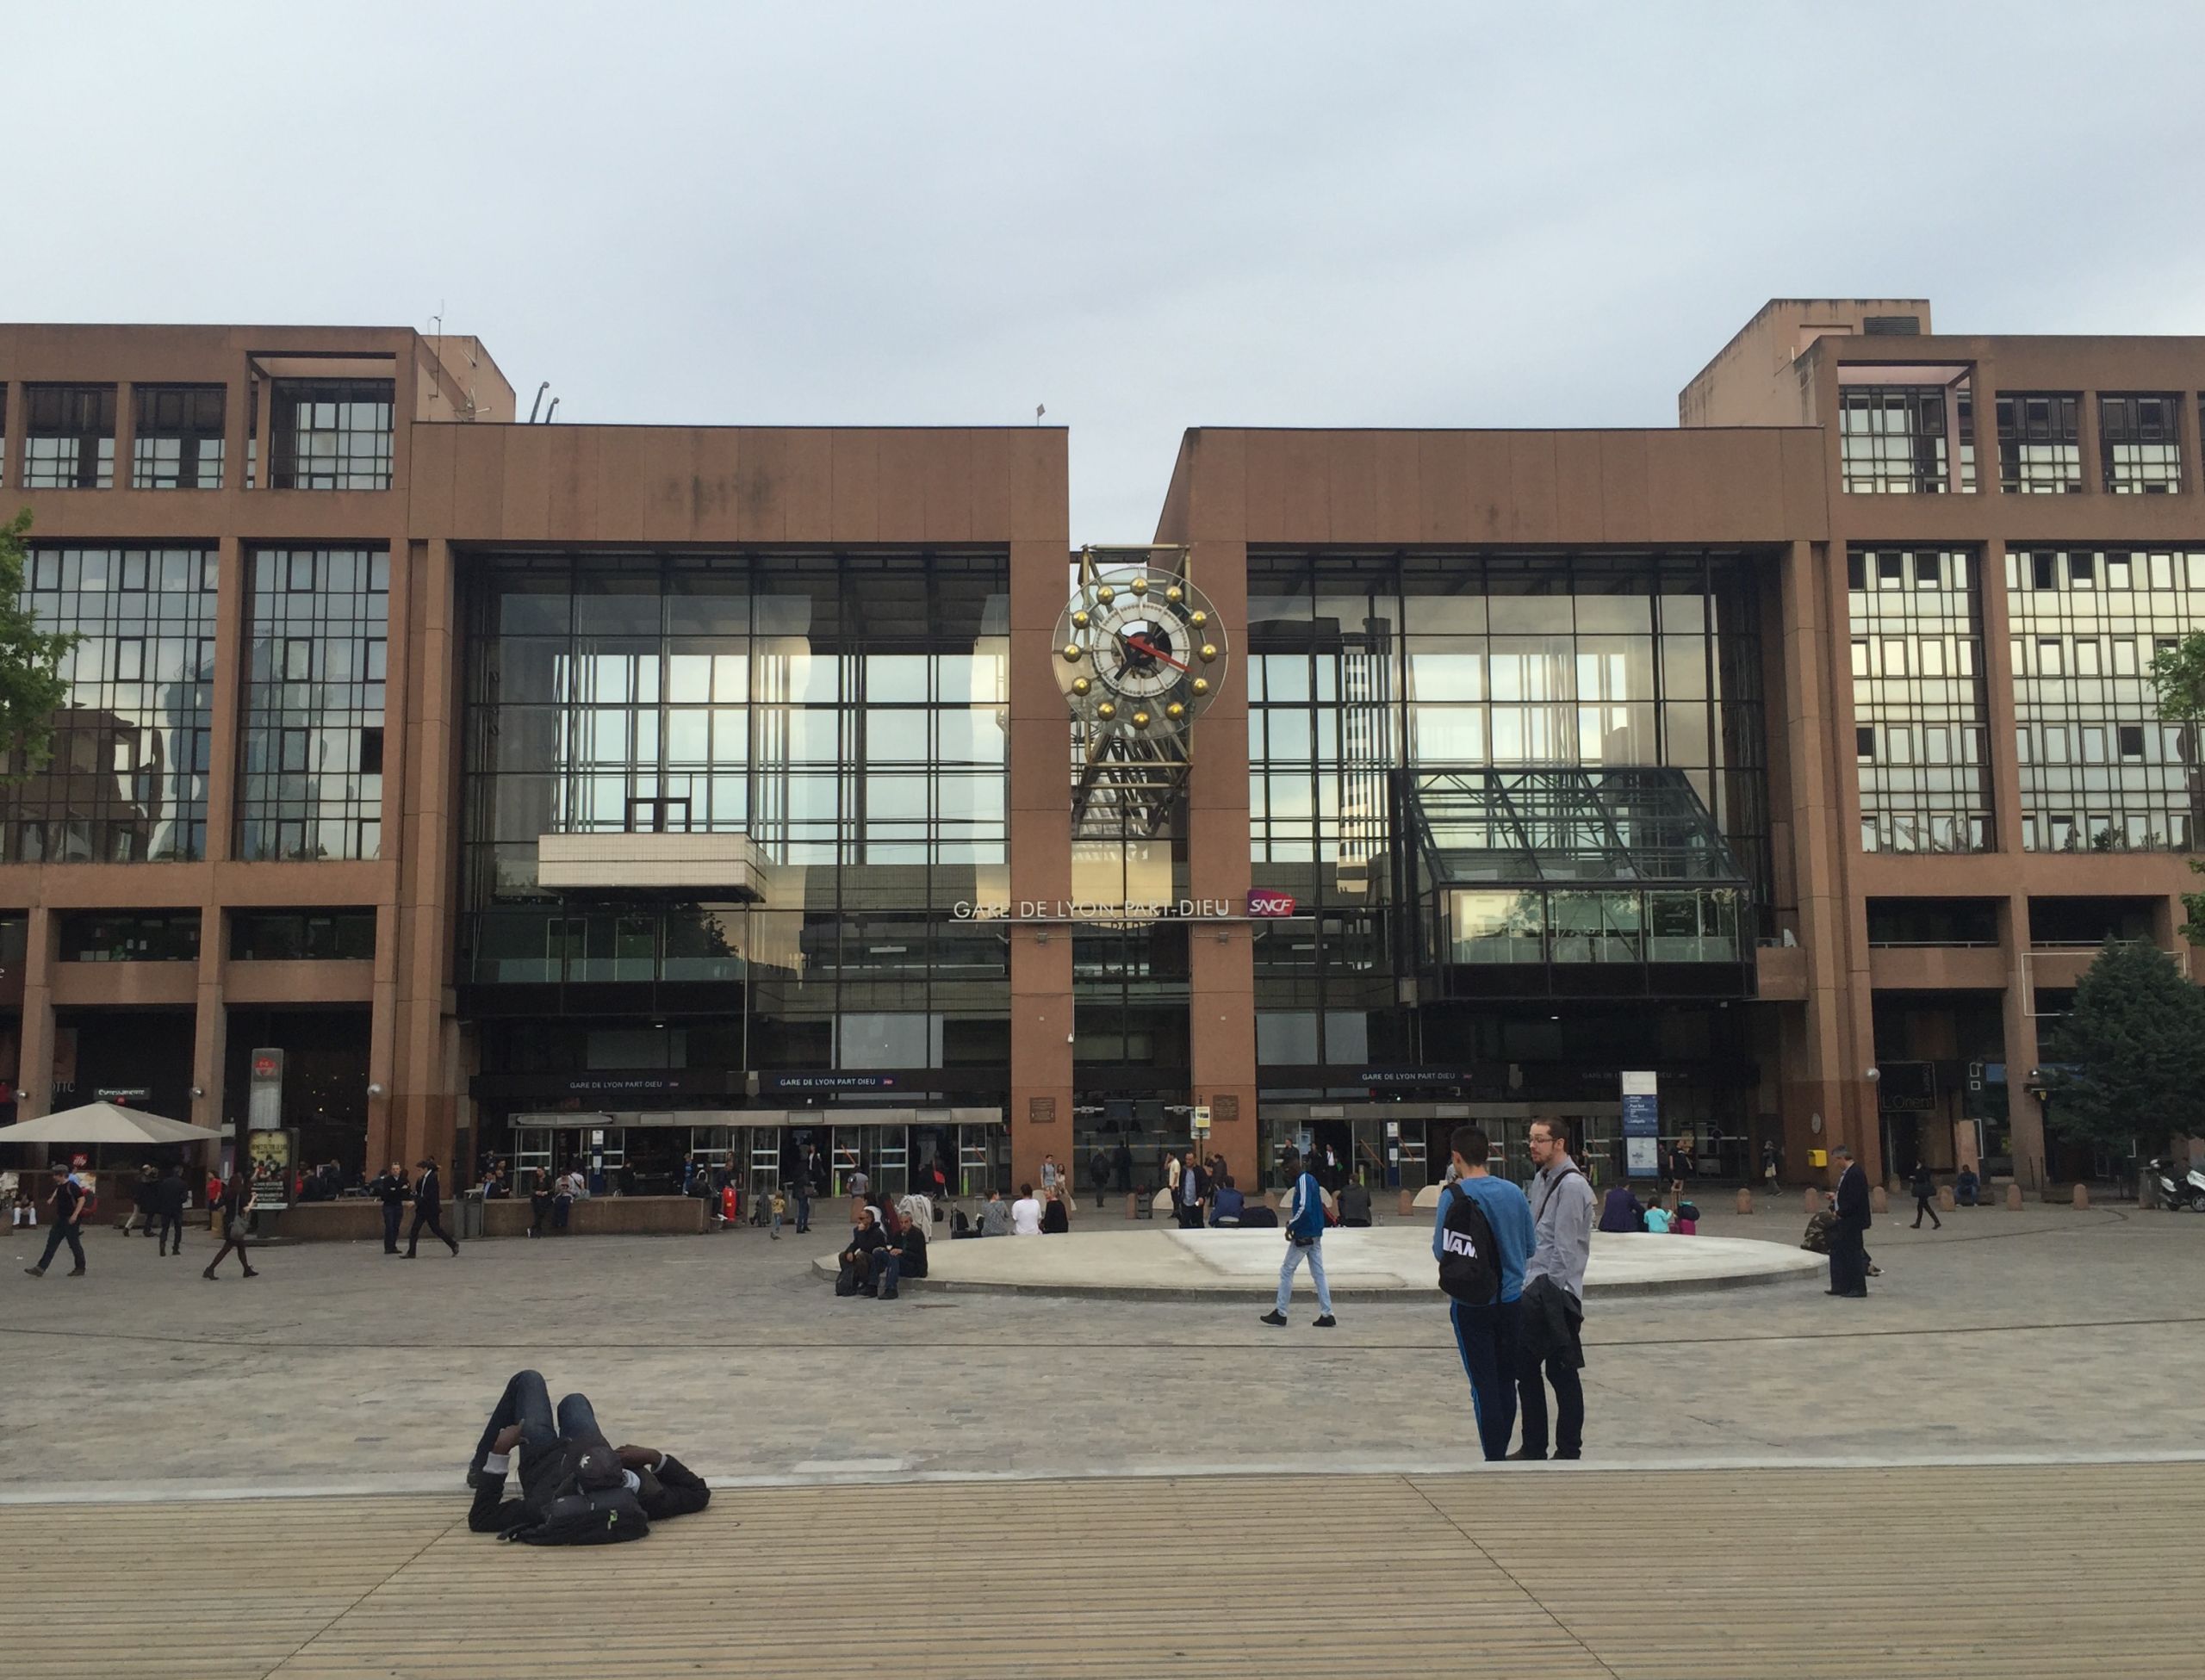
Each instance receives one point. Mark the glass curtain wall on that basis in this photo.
(1361, 665)
(126, 781)
(844, 712)
(2099, 773)
(311, 778)
(1918, 706)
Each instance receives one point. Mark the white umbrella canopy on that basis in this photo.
(105, 1123)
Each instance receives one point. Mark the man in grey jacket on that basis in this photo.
(1548, 1351)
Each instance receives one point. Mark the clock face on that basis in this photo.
(1138, 652)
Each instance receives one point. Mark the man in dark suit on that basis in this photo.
(391, 1189)
(428, 1209)
(1848, 1254)
(1187, 1200)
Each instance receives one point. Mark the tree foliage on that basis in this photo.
(2129, 1059)
(2178, 677)
(32, 688)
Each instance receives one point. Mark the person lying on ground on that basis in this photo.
(564, 1455)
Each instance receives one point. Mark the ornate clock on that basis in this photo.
(1140, 652)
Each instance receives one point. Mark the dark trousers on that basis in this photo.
(1568, 1404)
(171, 1228)
(233, 1242)
(803, 1212)
(1485, 1336)
(63, 1230)
(1190, 1215)
(527, 1402)
(1922, 1205)
(391, 1210)
(432, 1217)
(1848, 1259)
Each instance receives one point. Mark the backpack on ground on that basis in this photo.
(1819, 1226)
(606, 1517)
(1469, 1259)
(846, 1281)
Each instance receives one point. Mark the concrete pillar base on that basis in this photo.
(1811, 1200)
(2082, 1195)
(1408, 1201)
(1945, 1202)
(1745, 1201)
(1880, 1199)
(2014, 1198)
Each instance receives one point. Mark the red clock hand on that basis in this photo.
(1140, 646)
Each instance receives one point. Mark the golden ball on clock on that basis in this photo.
(1209, 650)
(1071, 653)
(1080, 685)
(1106, 711)
(1140, 585)
(1201, 685)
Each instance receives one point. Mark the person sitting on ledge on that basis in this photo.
(861, 1261)
(1226, 1206)
(574, 1486)
(1620, 1211)
(1966, 1186)
(1354, 1203)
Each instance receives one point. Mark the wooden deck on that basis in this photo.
(2042, 1571)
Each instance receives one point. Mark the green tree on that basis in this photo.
(2178, 676)
(32, 688)
(2129, 1059)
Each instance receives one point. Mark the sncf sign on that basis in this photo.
(1269, 904)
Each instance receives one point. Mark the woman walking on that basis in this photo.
(237, 1205)
(1925, 1196)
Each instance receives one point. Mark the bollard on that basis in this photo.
(1408, 1201)
(1133, 1205)
(1879, 1200)
(1745, 1201)
(1812, 1200)
(2082, 1195)
(1945, 1202)
(2014, 1198)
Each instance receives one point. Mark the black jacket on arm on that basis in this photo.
(671, 1490)
(428, 1194)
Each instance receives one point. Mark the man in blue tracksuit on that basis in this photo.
(1305, 1240)
(1486, 1336)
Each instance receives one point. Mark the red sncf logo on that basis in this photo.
(1269, 904)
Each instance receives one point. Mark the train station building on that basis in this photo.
(437, 782)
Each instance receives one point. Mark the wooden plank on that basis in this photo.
(1809, 1573)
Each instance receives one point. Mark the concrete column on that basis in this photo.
(35, 1067)
(125, 433)
(1221, 961)
(2000, 719)
(1823, 1063)
(237, 410)
(2093, 446)
(264, 407)
(13, 423)
(2025, 1113)
(417, 814)
(1040, 867)
(382, 1037)
(210, 1034)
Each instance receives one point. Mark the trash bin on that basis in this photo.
(471, 1216)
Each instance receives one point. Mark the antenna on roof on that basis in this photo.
(1039, 409)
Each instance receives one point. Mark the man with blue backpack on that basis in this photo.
(1482, 1236)
(1305, 1240)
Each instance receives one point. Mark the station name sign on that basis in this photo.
(1260, 906)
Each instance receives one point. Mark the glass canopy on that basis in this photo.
(1560, 823)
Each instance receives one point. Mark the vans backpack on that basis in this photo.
(606, 1517)
(1469, 1260)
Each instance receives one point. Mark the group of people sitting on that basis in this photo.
(1621, 1210)
(888, 1244)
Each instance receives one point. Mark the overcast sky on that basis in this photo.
(1146, 217)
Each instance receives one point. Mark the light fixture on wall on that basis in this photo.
(196, 1092)
(374, 1089)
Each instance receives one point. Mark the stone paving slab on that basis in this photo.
(1359, 1264)
(2047, 1333)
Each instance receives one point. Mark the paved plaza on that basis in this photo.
(2050, 1332)
(1973, 1473)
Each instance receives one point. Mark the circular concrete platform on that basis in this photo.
(1367, 1264)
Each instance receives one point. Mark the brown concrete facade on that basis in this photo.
(1755, 469)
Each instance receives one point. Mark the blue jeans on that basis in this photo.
(1295, 1254)
(887, 1269)
(1486, 1337)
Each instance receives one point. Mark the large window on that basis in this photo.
(277, 936)
(1892, 439)
(135, 936)
(1918, 700)
(2040, 442)
(177, 438)
(2099, 773)
(844, 713)
(69, 438)
(332, 434)
(127, 779)
(2141, 438)
(312, 781)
